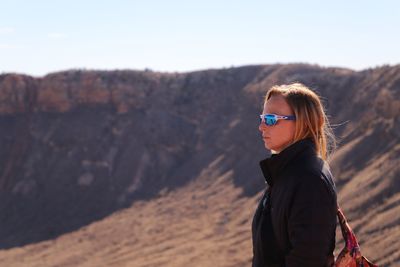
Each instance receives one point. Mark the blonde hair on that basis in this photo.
(311, 120)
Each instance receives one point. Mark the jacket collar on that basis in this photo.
(275, 164)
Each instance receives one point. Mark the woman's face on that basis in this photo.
(280, 135)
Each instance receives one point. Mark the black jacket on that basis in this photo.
(295, 221)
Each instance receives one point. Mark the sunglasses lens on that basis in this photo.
(270, 120)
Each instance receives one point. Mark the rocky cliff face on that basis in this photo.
(79, 145)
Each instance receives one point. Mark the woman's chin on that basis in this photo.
(267, 146)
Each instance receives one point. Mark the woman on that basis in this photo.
(295, 221)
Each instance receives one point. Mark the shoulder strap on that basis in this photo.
(348, 234)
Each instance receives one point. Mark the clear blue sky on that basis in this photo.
(38, 37)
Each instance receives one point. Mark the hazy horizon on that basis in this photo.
(37, 38)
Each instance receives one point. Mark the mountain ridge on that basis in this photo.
(79, 146)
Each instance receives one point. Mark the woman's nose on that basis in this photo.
(260, 126)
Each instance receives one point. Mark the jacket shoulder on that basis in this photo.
(314, 175)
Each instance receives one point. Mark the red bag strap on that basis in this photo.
(348, 234)
(352, 247)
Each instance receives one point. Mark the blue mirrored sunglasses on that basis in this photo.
(272, 119)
